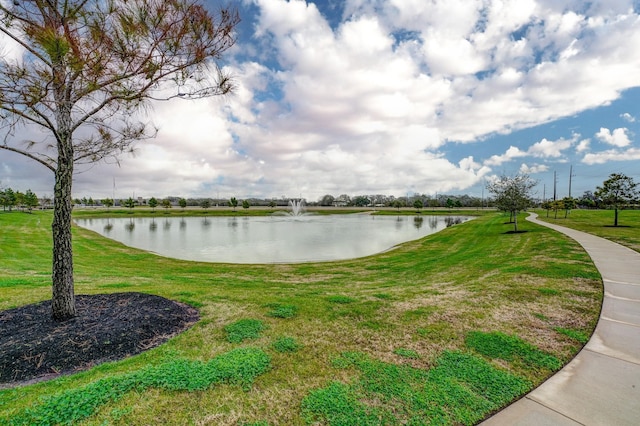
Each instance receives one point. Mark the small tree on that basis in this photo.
(20, 200)
(568, 203)
(512, 194)
(246, 204)
(233, 202)
(166, 203)
(182, 203)
(361, 201)
(30, 200)
(617, 192)
(450, 203)
(129, 203)
(107, 202)
(557, 205)
(547, 205)
(153, 203)
(87, 69)
(9, 199)
(417, 204)
(272, 204)
(205, 204)
(327, 200)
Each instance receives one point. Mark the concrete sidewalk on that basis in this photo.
(601, 385)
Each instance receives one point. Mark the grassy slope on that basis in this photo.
(600, 223)
(425, 298)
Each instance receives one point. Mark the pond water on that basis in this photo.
(268, 239)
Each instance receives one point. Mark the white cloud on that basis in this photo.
(536, 168)
(511, 153)
(583, 145)
(369, 104)
(631, 154)
(543, 149)
(619, 137)
(628, 117)
(554, 149)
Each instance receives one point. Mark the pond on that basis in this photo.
(269, 239)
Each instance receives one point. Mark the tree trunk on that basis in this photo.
(515, 221)
(63, 298)
(63, 302)
(615, 220)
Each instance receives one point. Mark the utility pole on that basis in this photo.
(544, 192)
(555, 182)
(570, 176)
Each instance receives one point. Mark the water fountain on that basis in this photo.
(297, 207)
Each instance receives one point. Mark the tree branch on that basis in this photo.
(31, 156)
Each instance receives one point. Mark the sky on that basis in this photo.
(393, 97)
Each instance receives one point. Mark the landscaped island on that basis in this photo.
(446, 329)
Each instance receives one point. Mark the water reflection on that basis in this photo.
(130, 226)
(399, 221)
(452, 220)
(269, 239)
(417, 222)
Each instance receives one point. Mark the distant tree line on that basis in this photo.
(10, 199)
(415, 200)
(617, 192)
(515, 194)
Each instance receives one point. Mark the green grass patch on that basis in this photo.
(439, 332)
(239, 366)
(116, 285)
(282, 311)
(286, 344)
(383, 296)
(341, 300)
(540, 316)
(510, 348)
(415, 314)
(460, 389)
(574, 334)
(548, 291)
(244, 329)
(407, 353)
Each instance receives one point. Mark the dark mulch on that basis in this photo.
(107, 327)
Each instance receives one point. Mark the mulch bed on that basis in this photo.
(107, 327)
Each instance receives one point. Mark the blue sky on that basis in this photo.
(395, 97)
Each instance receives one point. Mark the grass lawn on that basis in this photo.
(442, 330)
(600, 223)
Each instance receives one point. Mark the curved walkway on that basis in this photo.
(601, 385)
